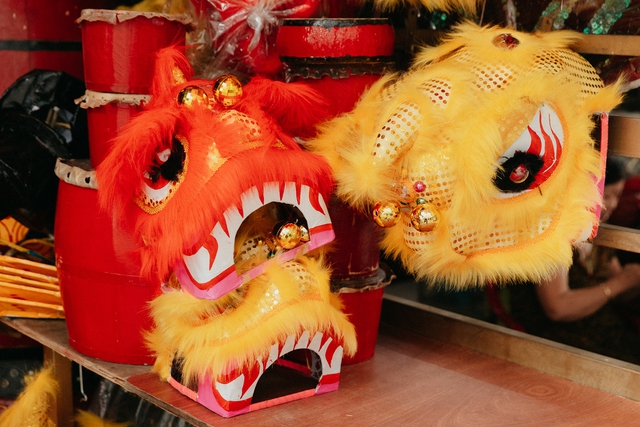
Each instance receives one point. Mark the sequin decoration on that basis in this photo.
(398, 133)
(606, 16)
(555, 60)
(437, 90)
(554, 15)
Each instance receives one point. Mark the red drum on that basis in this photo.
(119, 47)
(41, 34)
(355, 252)
(104, 299)
(363, 305)
(340, 58)
(107, 113)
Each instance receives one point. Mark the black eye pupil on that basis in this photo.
(518, 172)
(173, 167)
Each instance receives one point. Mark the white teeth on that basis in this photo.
(231, 391)
(335, 365)
(251, 200)
(199, 263)
(303, 341)
(273, 354)
(233, 220)
(288, 345)
(315, 342)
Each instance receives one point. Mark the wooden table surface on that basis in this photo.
(411, 381)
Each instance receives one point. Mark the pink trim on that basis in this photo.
(184, 390)
(283, 399)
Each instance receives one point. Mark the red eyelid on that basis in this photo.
(159, 182)
(543, 138)
(547, 146)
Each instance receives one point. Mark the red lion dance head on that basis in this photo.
(228, 207)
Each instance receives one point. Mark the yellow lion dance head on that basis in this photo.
(479, 160)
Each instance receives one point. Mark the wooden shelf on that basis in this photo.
(624, 134)
(623, 238)
(609, 45)
(416, 376)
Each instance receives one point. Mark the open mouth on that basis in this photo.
(210, 271)
(317, 358)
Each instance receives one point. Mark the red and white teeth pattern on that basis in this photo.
(210, 272)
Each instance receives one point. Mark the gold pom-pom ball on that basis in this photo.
(304, 234)
(386, 214)
(424, 218)
(289, 235)
(227, 90)
(192, 95)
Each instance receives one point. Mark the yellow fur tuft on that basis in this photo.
(287, 300)
(89, 419)
(468, 5)
(32, 406)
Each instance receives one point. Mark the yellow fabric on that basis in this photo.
(287, 300)
(89, 419)
(467, 5)
(446, 123)
(32, 405)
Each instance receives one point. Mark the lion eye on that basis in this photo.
(533, 157)
(164, 175)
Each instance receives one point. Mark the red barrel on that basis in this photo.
(104, 299)
(363, 306)
(339, 57)
(355, 253)
(107, 113)
(342, 58)
(119, 47)
(41, 34)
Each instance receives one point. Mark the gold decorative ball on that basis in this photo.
(404, 190)
(227, 90)
(192, 95)
(386, 214)
(304, 236)
(424, 218)
(289, 235)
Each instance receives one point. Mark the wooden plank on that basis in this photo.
(52, 333)
(623, 238)
(413, 376)
(62, 412)
(624, 129)
(609, 45)
(582, 367)
(412, 379)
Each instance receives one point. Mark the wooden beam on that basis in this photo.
(62, 411)
(609, 45)
(624, 129)
(623, 238)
